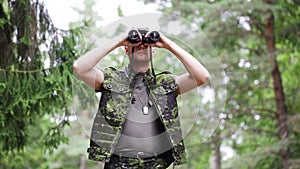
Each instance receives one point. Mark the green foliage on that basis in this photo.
(120, 13)
(237, 30)
(37, 83)
(32, 92)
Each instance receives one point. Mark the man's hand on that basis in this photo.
(163, 42)
(196, 73)
(125, 42)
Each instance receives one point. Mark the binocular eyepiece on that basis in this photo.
(133, 36)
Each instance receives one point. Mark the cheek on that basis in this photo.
(129, 57)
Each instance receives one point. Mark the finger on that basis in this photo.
(133, 44)
(147, 34)
(137, 44)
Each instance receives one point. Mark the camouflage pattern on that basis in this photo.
(116, 96)
(136, 163)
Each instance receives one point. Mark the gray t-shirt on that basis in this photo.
(143, 131)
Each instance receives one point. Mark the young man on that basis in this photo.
(137, 124)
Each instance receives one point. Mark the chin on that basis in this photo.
(142, 57)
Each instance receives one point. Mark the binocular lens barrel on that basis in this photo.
(133, 37)
(154, 36)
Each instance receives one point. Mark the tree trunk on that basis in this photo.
(85, 114)
(281, 110)
(215, 162)
(5, 41)
(82, 162)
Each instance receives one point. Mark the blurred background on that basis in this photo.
(256, 43)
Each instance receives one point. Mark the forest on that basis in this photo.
(248, 116)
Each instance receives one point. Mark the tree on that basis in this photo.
(35, 80)
(255, 40)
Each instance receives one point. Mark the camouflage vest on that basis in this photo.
(115, 98)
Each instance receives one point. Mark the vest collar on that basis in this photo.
(133, 75)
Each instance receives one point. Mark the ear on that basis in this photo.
(126, 50)
(153, 50)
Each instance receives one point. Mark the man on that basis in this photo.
(137, 124)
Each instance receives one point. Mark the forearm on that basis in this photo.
(88, 61)
(196, 70)
(84, 66)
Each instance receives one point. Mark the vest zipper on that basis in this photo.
(161, 119)
(122, 127)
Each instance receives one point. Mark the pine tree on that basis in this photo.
(35, 77)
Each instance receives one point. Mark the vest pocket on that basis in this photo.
(114, 102)
(166, 88)
(112, 86)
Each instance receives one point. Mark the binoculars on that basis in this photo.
(133, 36)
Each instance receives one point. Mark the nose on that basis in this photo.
(142, 46)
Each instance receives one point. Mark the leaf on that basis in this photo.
(120, 12)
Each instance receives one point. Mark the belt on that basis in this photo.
(135, 163)
(142, 160)
(146, 155)
(139, 156)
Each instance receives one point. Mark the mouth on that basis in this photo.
(141, 51)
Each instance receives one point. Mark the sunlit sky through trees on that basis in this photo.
(62, 12)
